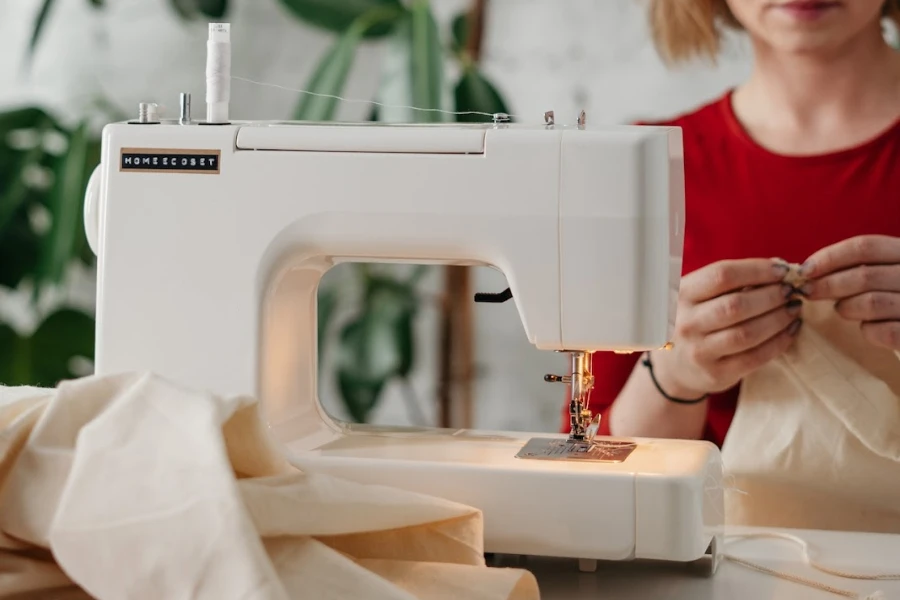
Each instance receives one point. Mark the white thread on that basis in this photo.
(727, 484)
(807, 559)
(371, 102)
(218, 65)
(218, 72)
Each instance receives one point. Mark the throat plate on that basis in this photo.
(607, 451)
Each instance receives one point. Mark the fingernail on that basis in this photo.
(780, 267)
(806, 289)
(806, 268)
(801, 291)
(787, 290)
(793, 307)
(794, 327)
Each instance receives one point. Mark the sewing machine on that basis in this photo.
(212, 236)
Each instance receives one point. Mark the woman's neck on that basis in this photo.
(806, 104)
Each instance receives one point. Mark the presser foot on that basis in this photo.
(606, 451)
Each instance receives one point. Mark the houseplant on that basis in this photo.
(377, 345)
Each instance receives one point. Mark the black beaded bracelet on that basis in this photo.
(646, 362)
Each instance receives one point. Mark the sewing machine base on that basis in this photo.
(607, 451)
(706, 566)
(661, 501)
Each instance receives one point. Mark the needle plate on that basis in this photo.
(607, 451)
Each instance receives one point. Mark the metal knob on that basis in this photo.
(147, 112)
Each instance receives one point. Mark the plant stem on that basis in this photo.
(476, 29)
(456, 370)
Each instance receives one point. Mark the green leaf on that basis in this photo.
(360, 396)
(338, 15)
(45, 358)
(191, 9)
(473, 92)
(426, 61)
(327, 302)
(66, 202)
(459, 27)
(19, 248)
(378, 345)
(184, 8)
(214, 9)
(14, 192)
(13, 197)
(39, 22)
(330, 75)
(23, 118)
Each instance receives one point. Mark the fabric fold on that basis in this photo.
(815, 441)
(130, 487)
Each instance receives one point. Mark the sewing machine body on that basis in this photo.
(211, 241)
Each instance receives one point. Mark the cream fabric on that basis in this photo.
(815, 442)
(130, 487)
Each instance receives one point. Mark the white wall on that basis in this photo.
(590, 54)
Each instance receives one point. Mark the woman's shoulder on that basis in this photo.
(710, 116)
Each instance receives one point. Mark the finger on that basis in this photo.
(730, 275)
(854, 281)
(860, 250)
(871, 306)
(737, 307)
(885, 334)
(748, 361)
(750, 334)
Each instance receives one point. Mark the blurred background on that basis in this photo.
(398, 346)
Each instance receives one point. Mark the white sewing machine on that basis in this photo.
(212, 237)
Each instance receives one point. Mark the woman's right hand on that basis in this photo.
(733, 317)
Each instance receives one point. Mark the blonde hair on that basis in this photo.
(686, 29)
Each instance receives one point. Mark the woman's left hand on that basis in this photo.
(862, 274)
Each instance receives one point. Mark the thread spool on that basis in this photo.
(218, 72)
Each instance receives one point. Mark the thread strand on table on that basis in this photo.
(809, 561)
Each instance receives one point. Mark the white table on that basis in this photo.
(638, 580)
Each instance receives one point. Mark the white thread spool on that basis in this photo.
(218, 72)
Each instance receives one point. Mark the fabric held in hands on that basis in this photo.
(130, 488)
(815, 441)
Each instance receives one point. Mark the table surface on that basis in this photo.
(560, 579)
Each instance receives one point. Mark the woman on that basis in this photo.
(802, 162)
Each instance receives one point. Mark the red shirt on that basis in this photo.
(743, 201)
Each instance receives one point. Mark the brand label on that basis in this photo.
(155, 160)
